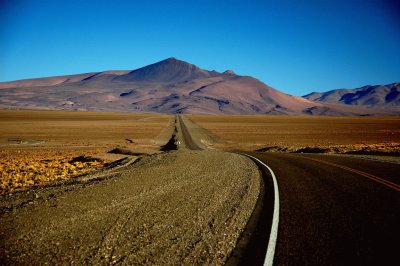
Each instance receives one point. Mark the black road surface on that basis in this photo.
(336, 210)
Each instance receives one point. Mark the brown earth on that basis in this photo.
(370, 135)
(177, 207)
(37, 147)
(174, 207)
(63, 128)
(180, 208)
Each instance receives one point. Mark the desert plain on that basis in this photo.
(121, 188)
(38, 147)
(359, 135)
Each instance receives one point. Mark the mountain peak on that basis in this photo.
(170, 70)
(172, 59)
(229, 72)
(175, 61)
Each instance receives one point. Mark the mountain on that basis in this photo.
(382, 96)
(169, 86)
(170, 70)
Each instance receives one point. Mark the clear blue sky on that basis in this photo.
(294, 46)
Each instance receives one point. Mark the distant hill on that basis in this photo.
(379, 96)
(169, 86)
(51, 81)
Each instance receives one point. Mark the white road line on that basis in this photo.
(269, 257)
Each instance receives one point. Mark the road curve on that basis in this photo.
(270, 209)
(334, 210)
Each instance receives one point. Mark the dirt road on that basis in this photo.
(178, 208)
(187, 137)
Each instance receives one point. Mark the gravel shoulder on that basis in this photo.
(180, 207)
(198, 136)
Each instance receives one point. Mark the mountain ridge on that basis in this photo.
(384, 96)
(168, 86)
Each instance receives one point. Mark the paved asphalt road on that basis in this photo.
(336, 210)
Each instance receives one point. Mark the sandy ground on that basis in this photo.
(36, 147)
(178, 207)
(364, 135)
(79, 129)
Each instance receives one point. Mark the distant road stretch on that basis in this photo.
(336, 210)
(189, 142)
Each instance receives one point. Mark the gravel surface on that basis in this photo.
(194, 136)
(182, 207)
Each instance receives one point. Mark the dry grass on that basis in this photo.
(24, 168)
(36, 146)
(346, 134)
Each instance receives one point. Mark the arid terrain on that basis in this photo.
(37, 147)
(199, 133)
(79, 129)
(118, 188)
(156, 207)
(362, 135)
